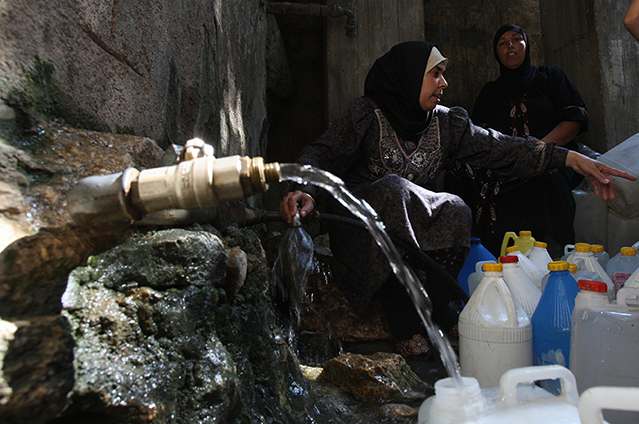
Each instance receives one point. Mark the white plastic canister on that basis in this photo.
(521, 287)
(539, 256)
(532, 271)
(582, 251)
(605, 345)
(475, 277)
(495, 333)
(515, 401)
(622, 265)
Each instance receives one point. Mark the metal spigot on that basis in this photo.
(199, 181)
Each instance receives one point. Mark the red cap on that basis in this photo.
(594, 286)
(508, 259)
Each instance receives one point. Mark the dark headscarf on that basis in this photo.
(514, 80)
(394, 83)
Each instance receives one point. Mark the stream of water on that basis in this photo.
(309, 175)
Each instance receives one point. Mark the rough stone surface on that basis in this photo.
(40, 162)
(377, 378)
(165, 70)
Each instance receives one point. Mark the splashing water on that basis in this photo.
(293, 266)
(307, 174)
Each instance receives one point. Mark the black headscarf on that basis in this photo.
(514, 80)
(394, 83)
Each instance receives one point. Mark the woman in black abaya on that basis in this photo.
(524, 101)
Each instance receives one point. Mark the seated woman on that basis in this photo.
(389, 147)
(524, 101)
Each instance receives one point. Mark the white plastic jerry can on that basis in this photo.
(517, 400)
(614, 399)
(495, 333)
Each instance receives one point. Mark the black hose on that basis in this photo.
(414, 252)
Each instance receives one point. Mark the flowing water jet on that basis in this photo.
(308, 175)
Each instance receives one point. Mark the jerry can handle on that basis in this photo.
(626, 293)
(514, 377)
(509, 235)
(593, 400)
(568, 248)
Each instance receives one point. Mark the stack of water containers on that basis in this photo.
(510, 324)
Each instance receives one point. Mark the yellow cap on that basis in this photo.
(540, 244)
(524, 233)
(572, 267)
(582, 247)
(512, 249)
(493, 267)
(596, 248)
(558, 265)
(628, 251)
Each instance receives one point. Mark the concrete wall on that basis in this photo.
(380, 24)
(464, 30)
(619, 64)
(571, 42)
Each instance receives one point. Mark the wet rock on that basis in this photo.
(327, 311)
(37, 171)
(236, 268)
(398, 410)
(38, 369)
(35, 268)
(378, 378)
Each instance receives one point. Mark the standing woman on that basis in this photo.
(389, 147)
(524, 101)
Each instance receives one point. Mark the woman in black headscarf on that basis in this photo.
(388, 147)
(524, 101)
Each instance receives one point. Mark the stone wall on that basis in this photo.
(165, 70)
(601, 58)
(464, 32)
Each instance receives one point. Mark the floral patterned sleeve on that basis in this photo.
(490, 149)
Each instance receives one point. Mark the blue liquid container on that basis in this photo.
(551, 321)
(477, 253)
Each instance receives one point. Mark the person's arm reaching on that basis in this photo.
(597, 172)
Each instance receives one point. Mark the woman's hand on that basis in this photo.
(597, 172)
(290, 202)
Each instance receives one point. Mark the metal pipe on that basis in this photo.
(314, 9)
(198, 183)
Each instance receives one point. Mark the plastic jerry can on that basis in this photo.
(530, 269)
(477, 253)
(589, 263)
(495, 333)
(605, 342)
(552, 320)
(525, 241)
(615, 400)
(633, 280)
(516, 400)
(475, 277)
(521, 287)
(539, 256)
(621, 266)
(600, 254)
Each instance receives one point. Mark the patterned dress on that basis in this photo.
(398, 178)
(543, 204)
